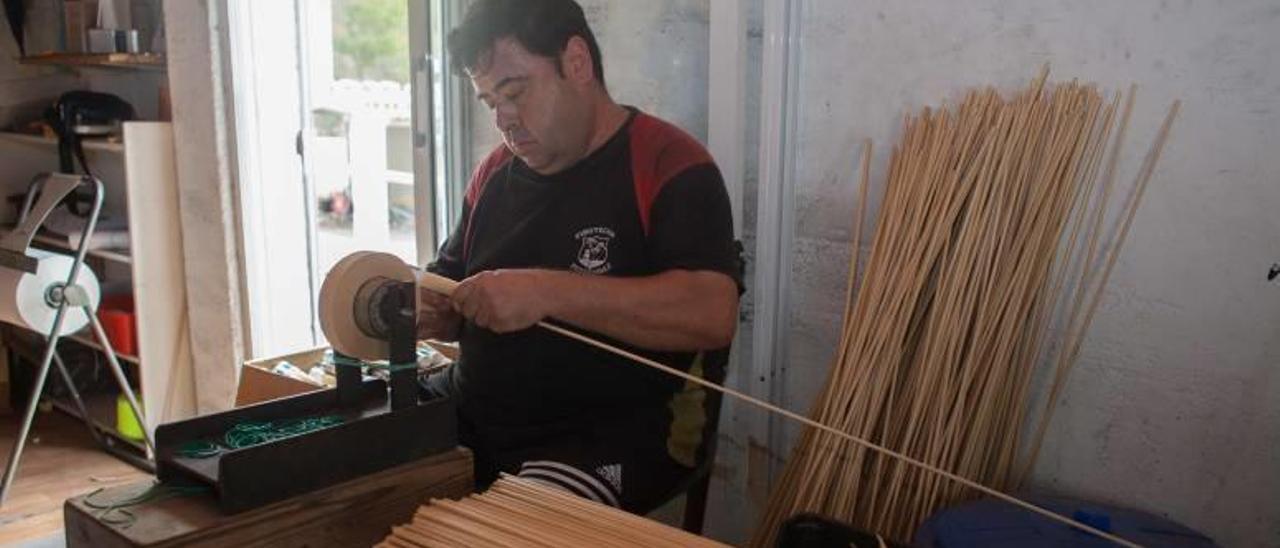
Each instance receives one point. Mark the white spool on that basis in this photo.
(22, 295)
(338, 301)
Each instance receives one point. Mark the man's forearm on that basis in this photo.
(677, 310)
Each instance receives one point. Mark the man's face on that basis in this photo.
(539, 112)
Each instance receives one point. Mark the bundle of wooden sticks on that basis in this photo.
(520, 512)
(990, 231)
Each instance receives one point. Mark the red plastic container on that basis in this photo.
(116, 313)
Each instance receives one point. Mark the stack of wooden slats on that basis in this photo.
(521, 512)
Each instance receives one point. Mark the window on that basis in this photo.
(356, 93)
(331, 160)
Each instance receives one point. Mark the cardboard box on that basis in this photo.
(259, 384)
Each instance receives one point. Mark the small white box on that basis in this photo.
(102, 41)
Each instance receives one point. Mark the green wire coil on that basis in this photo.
(114, 512)
(249, 434)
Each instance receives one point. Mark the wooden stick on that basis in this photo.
(518, 512)
(541, 518)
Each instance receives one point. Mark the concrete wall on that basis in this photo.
(1174, 406)
(25, 91)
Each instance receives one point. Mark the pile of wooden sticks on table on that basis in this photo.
(521, 512)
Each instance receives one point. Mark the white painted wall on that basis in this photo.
(1174, 407)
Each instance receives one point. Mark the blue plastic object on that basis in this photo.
(990, 523)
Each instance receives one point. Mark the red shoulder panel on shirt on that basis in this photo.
(483, 172)
(475, 187)
(659, 151)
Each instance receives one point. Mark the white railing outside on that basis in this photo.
(357, 163)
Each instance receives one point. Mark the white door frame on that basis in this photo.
(263, 40)
(775, 211)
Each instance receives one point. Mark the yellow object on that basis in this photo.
(126, 422)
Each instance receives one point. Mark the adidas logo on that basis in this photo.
(612, 473)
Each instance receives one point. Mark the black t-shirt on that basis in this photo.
(649, 200)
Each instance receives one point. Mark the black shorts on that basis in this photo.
(612, 462)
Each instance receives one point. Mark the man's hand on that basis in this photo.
(436, 317)
(676, 310)
(503, 300)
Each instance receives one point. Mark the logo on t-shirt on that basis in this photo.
(593, 250)
(613, 474)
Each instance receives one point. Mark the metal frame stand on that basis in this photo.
(52, 188)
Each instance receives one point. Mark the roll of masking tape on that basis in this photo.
(338, 301)
(23, 299)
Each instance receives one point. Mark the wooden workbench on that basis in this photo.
(356, 513)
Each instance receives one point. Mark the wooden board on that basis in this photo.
(51, 143)
(356, 513)
(155, 234)
(121, 60)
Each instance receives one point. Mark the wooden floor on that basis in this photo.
(60, 461)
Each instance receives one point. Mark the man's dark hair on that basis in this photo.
(543, 27)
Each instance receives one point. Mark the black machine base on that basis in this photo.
(373, 436)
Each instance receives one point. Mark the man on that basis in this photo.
(597, 216)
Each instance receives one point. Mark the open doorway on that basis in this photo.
(341, 116)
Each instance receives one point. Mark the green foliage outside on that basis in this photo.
(371, 40)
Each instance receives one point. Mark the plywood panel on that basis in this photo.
(168, 380)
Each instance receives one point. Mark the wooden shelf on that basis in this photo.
(86, 340)
(146, 61)
(115, 255)
(98, 145)
(102, 416)
(121, 256)
(81, 338)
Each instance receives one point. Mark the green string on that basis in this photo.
(114, 512)
(198, 449)
(392, 368)
(346, 361)
(249, 434)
